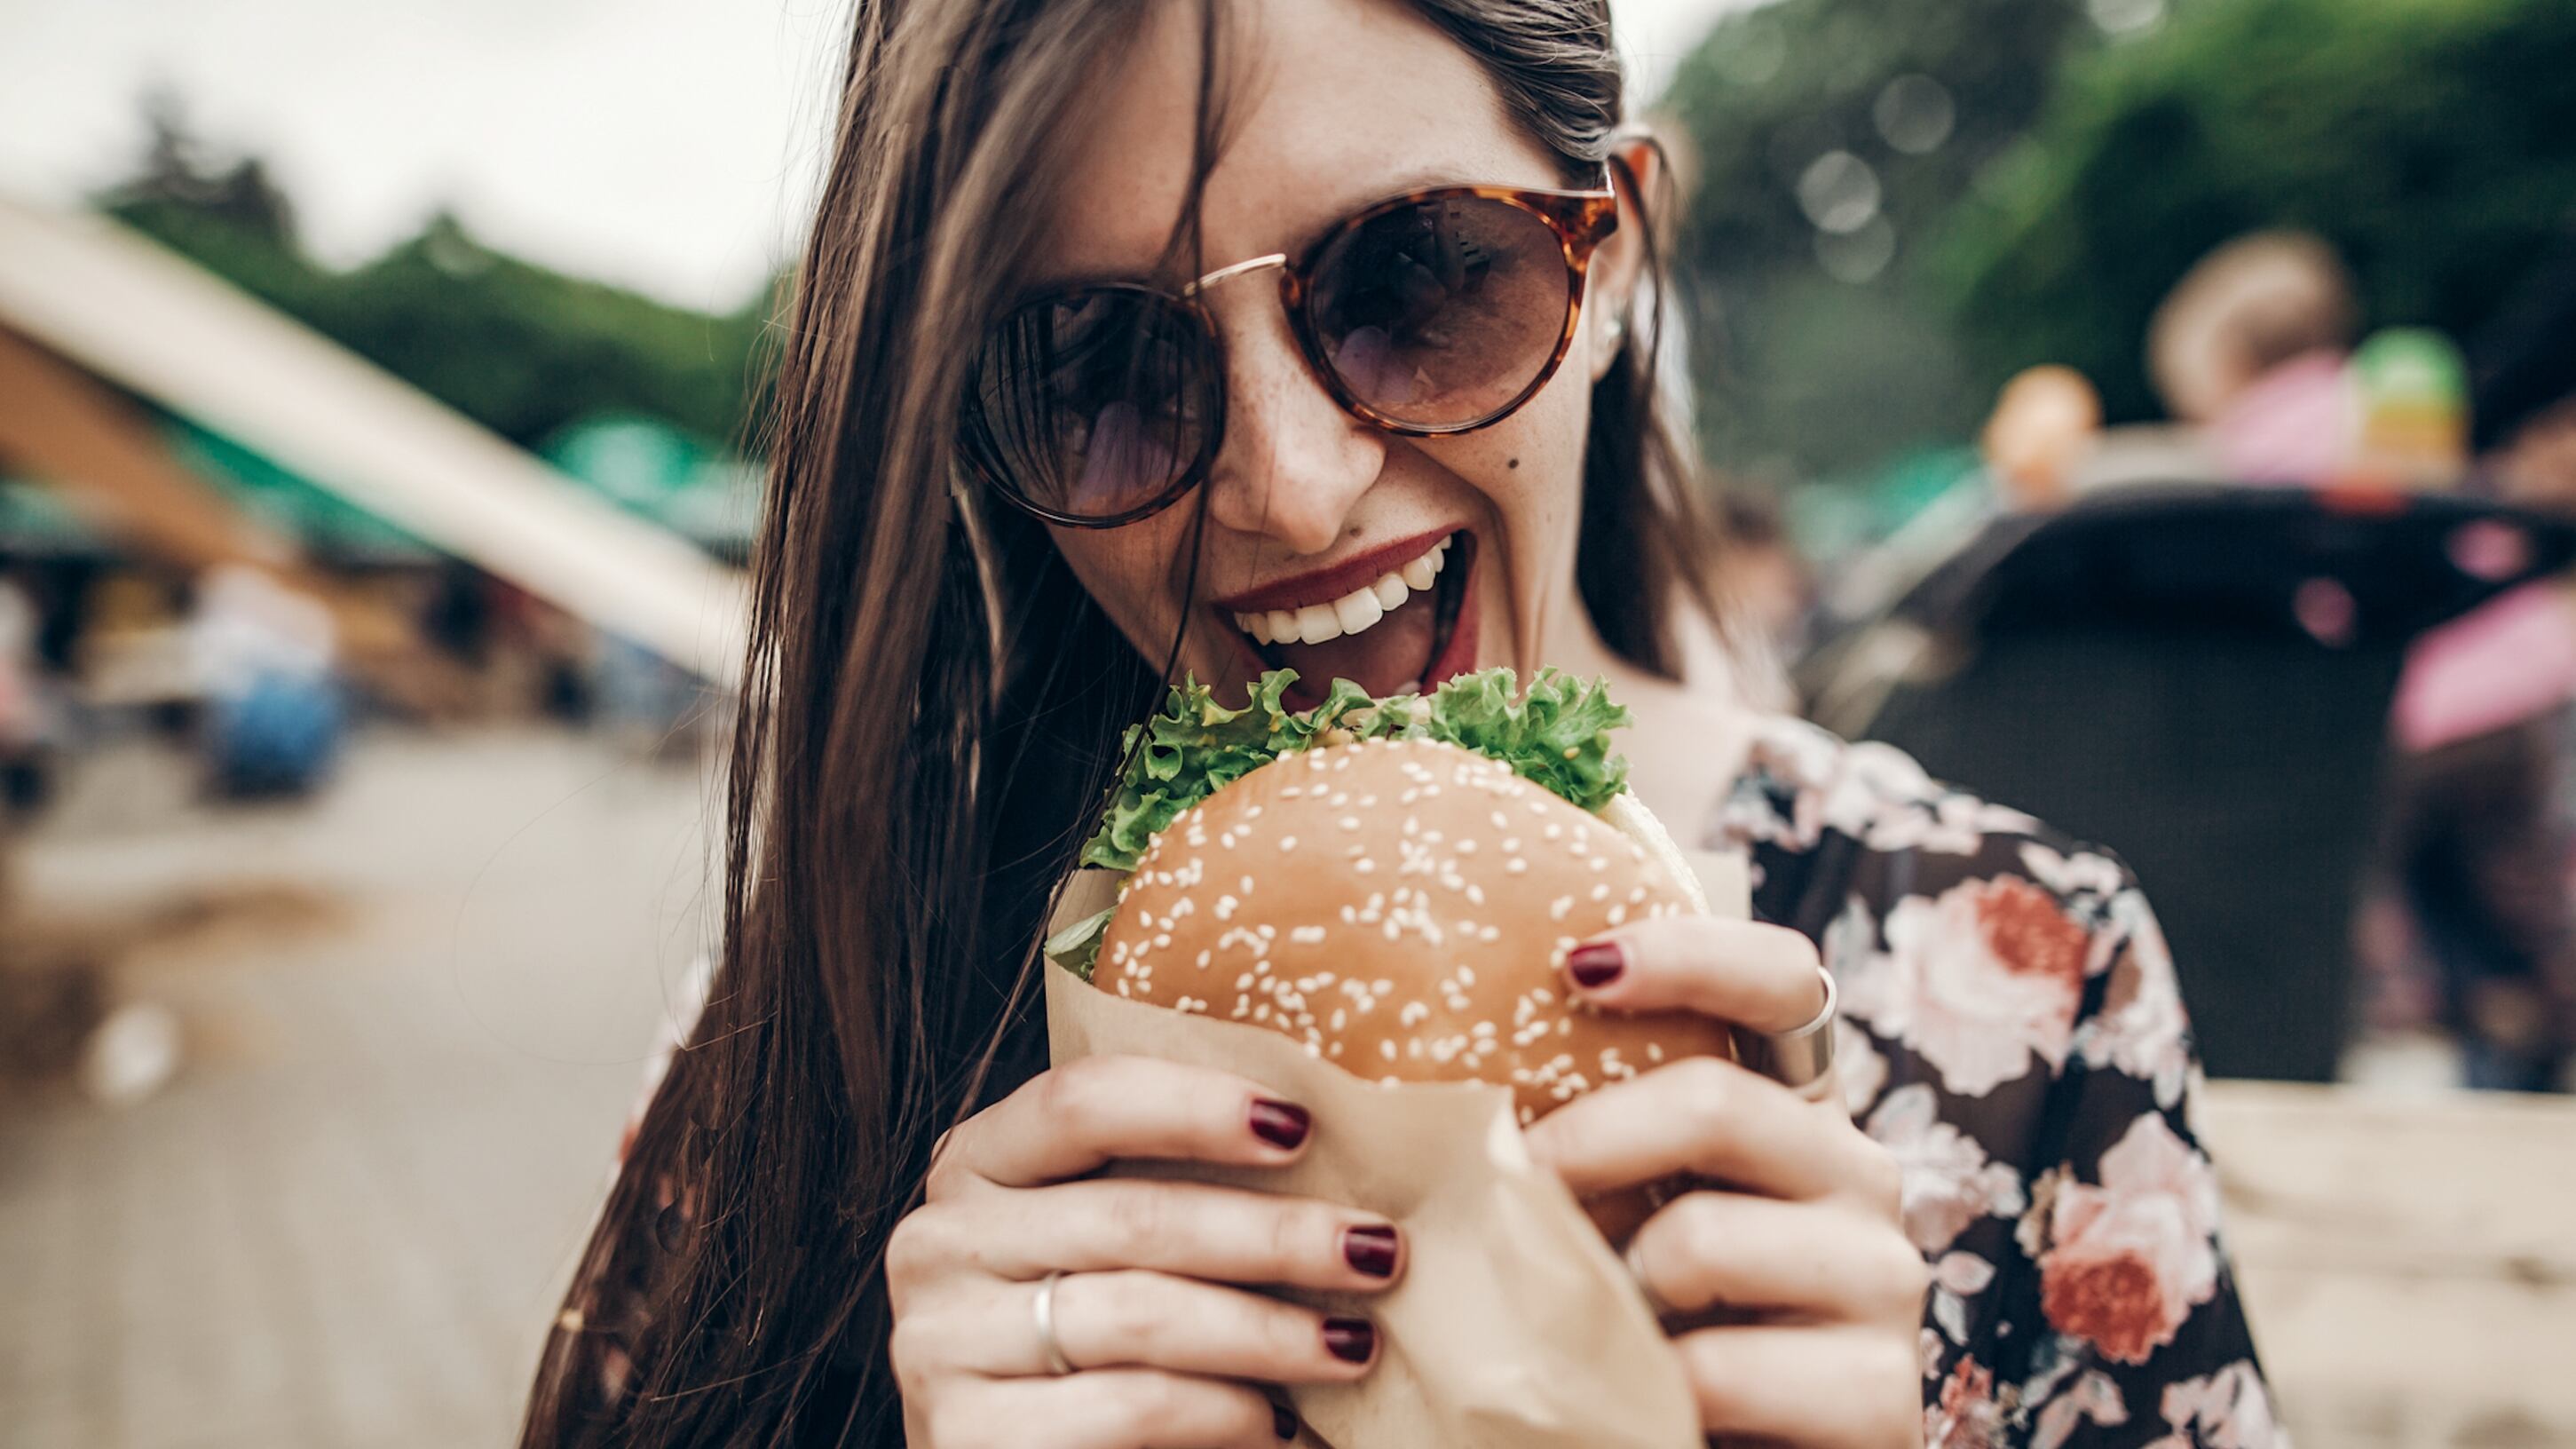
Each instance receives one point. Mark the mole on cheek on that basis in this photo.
(1512, 463)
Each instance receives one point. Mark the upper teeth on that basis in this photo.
(1350, 613)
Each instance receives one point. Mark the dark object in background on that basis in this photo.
(2198, 677)
(2478, 841)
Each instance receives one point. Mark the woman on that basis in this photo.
(1107, 364)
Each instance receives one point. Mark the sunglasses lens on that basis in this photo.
(1095, 405)
(1442, 313)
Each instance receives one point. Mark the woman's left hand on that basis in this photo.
(1794, 1238)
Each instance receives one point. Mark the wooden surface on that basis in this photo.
(2409, 1261)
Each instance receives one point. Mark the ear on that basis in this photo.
(1611, 290)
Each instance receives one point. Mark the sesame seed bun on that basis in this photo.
(1404, 909)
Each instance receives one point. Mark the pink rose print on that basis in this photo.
(2093, 1397)
(2140, 1028)
(2229, 1409)
(2130, 1259)
(1967, 1416)
(1857, 1063)
(1978, 981)
(1949, 1184)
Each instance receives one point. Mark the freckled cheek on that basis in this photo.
(1530, 466)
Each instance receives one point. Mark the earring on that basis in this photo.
(1618, 330)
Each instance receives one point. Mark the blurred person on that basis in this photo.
(2524, 379)
(1385, 286)
(2249, 348)
(29, 712)
(2481, 853)
(2047, 421)
(263, 656)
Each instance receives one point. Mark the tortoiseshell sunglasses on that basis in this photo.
(1437, 311)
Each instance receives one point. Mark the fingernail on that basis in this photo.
(1596, 965)
(1352, 1340)
(1283, 1421)
(1371, 1250)
(1281, 1124)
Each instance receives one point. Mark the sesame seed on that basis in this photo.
(1287, 842)
(1350, 822)
(1556, 909)
(1386, 1048)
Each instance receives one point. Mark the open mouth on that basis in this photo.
(1406, 630)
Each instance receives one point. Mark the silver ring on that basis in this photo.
(1044, 1309)
(1801, 1059)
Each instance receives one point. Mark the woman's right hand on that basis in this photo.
(1167, 1350)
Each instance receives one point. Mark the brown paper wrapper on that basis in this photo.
(1515, 1326)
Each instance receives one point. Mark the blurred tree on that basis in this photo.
(521, 349)
(2433, 142)
(1826, 140)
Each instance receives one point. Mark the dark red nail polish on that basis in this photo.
(1352, 1340)
(1371, 1250)
(1281, 1124)
(1596, 965)
(1283, 1421)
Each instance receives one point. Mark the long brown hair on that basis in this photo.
(929, 715)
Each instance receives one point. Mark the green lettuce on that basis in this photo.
(1557, 735)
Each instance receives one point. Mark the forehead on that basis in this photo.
(1327, 105)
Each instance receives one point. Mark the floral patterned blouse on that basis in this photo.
(2012, 1033)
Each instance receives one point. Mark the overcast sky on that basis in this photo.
(659, 143)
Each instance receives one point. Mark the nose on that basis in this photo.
(1293, 462)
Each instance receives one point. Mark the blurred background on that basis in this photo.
(2158, 414)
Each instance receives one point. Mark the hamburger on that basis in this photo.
(1393, 883)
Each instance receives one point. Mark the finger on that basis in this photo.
(1715, 1119)
(1136, 1319)
(1821, 1388)
(1066, 1122)
(1118, 1409)
(1754, 975)
(1224, 1234)
(1813, 1260)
